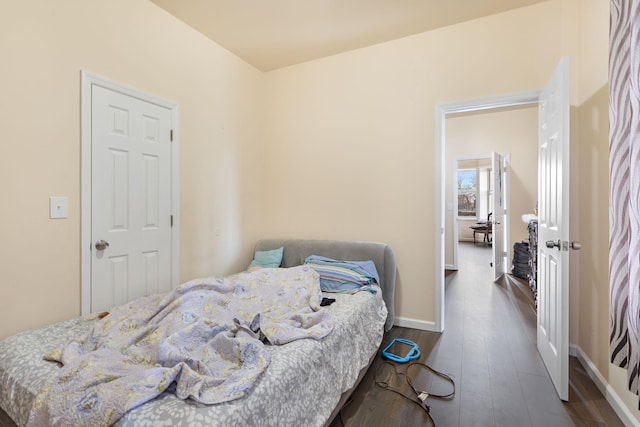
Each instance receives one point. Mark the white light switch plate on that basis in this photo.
(58, 207)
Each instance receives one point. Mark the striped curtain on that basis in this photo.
(624, 171)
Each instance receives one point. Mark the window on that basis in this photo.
(468, 193)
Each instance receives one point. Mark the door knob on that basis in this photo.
(575, 246)
(101, 245)
(551, 244)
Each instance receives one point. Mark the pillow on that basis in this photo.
(344, 276)
(267, 259)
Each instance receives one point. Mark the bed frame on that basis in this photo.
(295, 252)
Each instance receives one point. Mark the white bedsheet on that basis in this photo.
(301, 386)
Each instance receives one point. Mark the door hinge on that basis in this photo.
(171, 220)
(171, 135)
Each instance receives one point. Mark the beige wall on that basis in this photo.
(511, 131)
(43, 47)
(352, 135)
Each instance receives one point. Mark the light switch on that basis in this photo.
(58, 207)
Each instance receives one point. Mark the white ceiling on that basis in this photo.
(271, 34)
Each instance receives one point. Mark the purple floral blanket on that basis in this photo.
(203, 341)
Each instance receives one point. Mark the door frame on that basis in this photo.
(88, 80)
(454, 204)
(442, 111)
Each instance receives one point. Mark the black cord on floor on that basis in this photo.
(420, 395)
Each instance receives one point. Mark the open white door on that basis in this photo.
(553, 228)
(498, 214)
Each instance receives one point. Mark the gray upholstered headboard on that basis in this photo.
(296, 250)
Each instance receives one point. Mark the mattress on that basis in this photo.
(301, 386)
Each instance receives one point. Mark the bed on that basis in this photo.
(306, 381)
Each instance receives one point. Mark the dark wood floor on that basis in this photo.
(488, 347)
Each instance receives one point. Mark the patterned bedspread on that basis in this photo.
(301, 386)
(203, 340)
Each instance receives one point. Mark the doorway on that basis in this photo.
(468, 108)
(470, 206)
(553, 195)
(130, 194)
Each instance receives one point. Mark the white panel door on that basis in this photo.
(498, 214)
(130, 198)
(553, 228)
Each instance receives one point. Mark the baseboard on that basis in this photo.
(423, 325)
(621, 410)
(573, 350)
